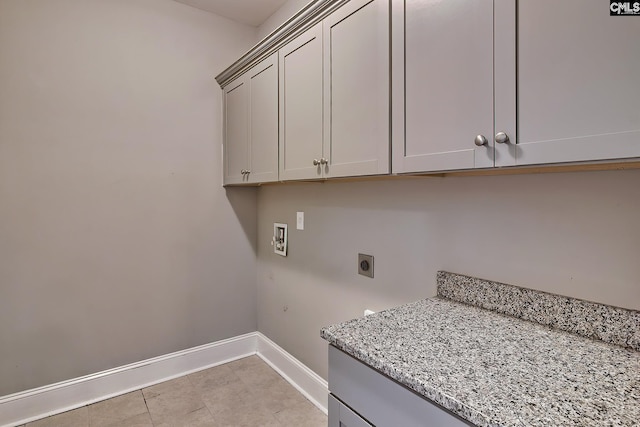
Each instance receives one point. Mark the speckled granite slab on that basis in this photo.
(494, 370)
(598, 321)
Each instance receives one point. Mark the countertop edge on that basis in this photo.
(431, 393)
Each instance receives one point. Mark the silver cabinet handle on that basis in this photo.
(480, 140)
(502, 138)
(247, 171)
(316, 162)
(324, 161)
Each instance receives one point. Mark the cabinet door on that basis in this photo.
(301, 106)
(341, 416)
(578, 95)
(263, 121)
(236, 136)
(356, 89)
(447, 92)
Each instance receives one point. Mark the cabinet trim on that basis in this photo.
(303, 19)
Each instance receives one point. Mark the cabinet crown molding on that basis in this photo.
(304, 18)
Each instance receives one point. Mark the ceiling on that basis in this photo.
(250, 12)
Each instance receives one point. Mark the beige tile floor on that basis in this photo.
(246, 392)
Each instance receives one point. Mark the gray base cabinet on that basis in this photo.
(340, 415)
(362, 396)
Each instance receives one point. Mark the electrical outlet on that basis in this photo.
(299, 220)
(365, 265)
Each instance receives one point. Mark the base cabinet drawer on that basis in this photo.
(340, 415)
(378, 399)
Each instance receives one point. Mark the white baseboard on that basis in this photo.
(20, 408)
(307, 382)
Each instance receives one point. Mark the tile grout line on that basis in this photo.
(200, 397)
(147, 406)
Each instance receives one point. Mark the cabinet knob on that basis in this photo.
(324, 161)
(243, 171)
(247, 171)
(480, 140)
(502, 138)
(316, 162)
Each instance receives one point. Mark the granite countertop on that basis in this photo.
(494, 369)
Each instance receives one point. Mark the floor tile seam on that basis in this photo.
(192, 392)
(202, 391)
(196, 410)
(198, 393)
(172, 416)
(191, 380)
(147, 406)
(251, 383)
(118, 419)
(213, 417)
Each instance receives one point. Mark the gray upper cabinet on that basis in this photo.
(263, 121)
(236, 132)
(334, 91)
(443, 85)
(356, 89)
(453, 85)
(532, 81)
(251, 125)
(578, 93)
(301, 106)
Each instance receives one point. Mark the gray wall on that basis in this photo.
(117, 241)
(575, 234)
